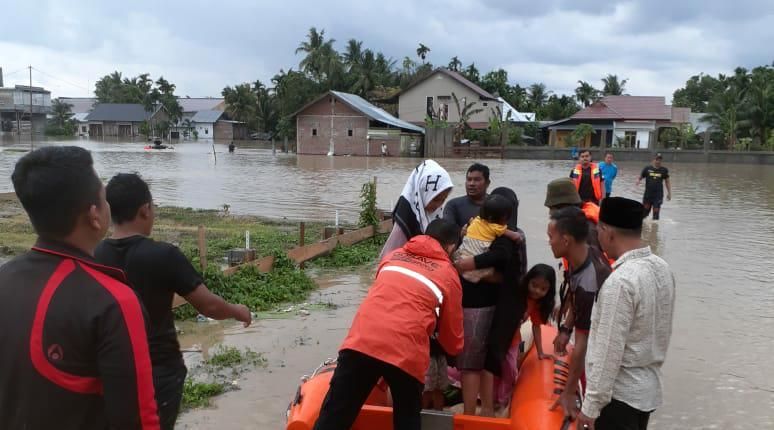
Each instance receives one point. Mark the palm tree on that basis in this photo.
(422, 51)
(723, 113)
(455, 64)
(614, 87)
(537, 95)
(759, 108)
(240, 102)
(316, 48)
(353, 55)
(586, 94)
(61, 113)
(365, 74)
(471, 73)
(464, 113)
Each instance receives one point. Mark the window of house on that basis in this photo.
(349, 132)
(486, 104)
(314, 132)
(430, 109)
(206, 131)
(83, 129)
(630, 139)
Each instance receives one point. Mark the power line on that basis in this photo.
(60, 80)
(13, 73)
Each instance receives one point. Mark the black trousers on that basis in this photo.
(620, 416)
(355, 376)
(168, 382)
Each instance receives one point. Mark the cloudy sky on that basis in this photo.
(204, 46)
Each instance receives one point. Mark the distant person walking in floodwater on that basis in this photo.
(420, 202)
(231, 147)
(656, 176)
(587, 178)
(609, 172)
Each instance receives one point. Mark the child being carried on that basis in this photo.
(483, 230)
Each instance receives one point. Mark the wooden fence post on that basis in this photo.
(202, 248)
(301, 234)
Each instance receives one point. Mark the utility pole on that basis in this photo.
(32, 145)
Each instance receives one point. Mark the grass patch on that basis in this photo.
(198, 394)
(215, 375)
(228, 356)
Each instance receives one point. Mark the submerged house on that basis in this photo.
(121, 119)
(620, 122)
(338, 123)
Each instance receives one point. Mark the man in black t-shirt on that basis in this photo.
(157, 271)
(656, 176)
(567, 237)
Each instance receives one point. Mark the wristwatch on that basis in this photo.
(563, 329)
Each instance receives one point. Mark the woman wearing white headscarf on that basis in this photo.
(420, 202)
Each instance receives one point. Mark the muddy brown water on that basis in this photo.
(717, 234)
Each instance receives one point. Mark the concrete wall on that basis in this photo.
(224, 130)
(332, 122)
(683, 156)
(412, 105)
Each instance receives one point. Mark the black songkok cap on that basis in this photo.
(622, 213)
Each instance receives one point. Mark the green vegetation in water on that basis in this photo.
(369, 214)
(349, 256)
(258, 291)
(229, 356)
(209, 379)
(198, 394)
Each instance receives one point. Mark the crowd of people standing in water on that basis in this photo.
(90, 341)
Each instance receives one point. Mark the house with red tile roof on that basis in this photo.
(432, 97)
(621, 122)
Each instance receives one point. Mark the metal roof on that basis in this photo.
(207, 116)
(195, 104)
(80, 116)
(514, 114)
(118, 112)
(375, 113)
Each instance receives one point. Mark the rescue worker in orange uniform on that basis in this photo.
(417, 291)
(588, 179)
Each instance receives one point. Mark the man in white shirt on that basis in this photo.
(631, 325)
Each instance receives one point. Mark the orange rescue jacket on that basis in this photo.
(596, 179)
(416, 287)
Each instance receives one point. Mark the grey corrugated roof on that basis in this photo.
(207, 116)
(375, 113)
(198, 103)
(118, 112)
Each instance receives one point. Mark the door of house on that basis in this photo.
(125, 130)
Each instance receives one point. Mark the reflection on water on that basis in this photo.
(717, 234)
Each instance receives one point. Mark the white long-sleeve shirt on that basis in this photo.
(631, 325)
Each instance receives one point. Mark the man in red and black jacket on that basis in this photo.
(73, 348)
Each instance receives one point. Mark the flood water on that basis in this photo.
(717, 234)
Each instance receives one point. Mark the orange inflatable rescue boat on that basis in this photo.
(538, 385)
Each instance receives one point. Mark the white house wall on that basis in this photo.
(642, 128)
(205, 129)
